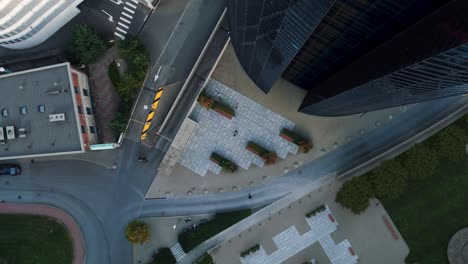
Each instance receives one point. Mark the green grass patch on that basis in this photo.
(164, 256)
(428, 213)
(205, 259)
(32, 239)
(191, 238)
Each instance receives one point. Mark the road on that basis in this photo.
(103, 200)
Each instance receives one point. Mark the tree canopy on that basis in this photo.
(86, 46)
(137, 232)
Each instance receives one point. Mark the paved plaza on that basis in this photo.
(290, 242)
(229, 137)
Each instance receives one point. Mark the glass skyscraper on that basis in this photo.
(429, 60)
(354, 56)
(267, 35)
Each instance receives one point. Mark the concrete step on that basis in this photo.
(177, 251)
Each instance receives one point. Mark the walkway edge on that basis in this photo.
(79, 253)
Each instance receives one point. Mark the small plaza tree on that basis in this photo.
(355, 194)
(137, 232)
(86, 46)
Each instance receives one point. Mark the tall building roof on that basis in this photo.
(42, 102)
(27, 23)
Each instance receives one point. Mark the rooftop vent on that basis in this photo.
(10, 132)
(57, 117)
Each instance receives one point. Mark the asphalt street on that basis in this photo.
(175, 35)
(103, 200)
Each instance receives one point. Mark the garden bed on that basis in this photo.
(298, 140)
(250, 250)
(163, 256)
(209, 102)
(224, 163)
(192, 237)
(269, 157)
(316, 211)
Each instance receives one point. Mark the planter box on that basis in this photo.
(296, 139)
(224, 163)
(269, 157)
(222, 112)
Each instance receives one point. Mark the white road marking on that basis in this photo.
(121, 30)
(129, 10)
(123, 25)
(127, 15)
(132, 5)
(118, 35)
(135, 1)
(125, 20)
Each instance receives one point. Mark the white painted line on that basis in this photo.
(123, 25)
(132, 5)
(135, 1)
(127, 15)
(125, 20)
(118, 35)
(129, 10)
(121, 30)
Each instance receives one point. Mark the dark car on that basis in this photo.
(10, 170)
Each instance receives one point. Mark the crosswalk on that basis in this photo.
(177, 251)
(125, 18)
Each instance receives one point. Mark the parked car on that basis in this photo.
(10, 170)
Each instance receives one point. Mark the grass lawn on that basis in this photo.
(429, 212)
(33, 239)
(164, 256)
(191, 238)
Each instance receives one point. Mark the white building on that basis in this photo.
(27, 23)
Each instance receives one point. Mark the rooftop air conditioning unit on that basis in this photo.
(10, 132)
(57, 117)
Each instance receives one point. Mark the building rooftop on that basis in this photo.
(33, 101)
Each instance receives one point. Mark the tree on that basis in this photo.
(450, 143)
(355, 194)
(137, 232)
(421, 162)
(86, 45)
(389, 180)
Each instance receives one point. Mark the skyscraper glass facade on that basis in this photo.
(349, 30)
(427, 61)
(267, 35)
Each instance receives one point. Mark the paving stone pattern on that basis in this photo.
(290, 242)
(215, 133)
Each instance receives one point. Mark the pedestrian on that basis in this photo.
(250, 196)
(235, 133)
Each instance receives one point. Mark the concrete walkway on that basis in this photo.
(79, 254)
(106, 101)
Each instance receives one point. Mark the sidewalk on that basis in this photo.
(326, 134)
(106, 101)
(79, 254)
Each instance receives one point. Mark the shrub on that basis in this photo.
(86, 45)
(355, 194)
(226, 164)
(389, 180)
(228, 111)
(450, 143)
(192, 237)
(163, 256)
(421, 162)
(205, 259)
(137, 232)
(316, 211)
(269, 157)
(206, 101)
(250, 250)
(289, 135)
